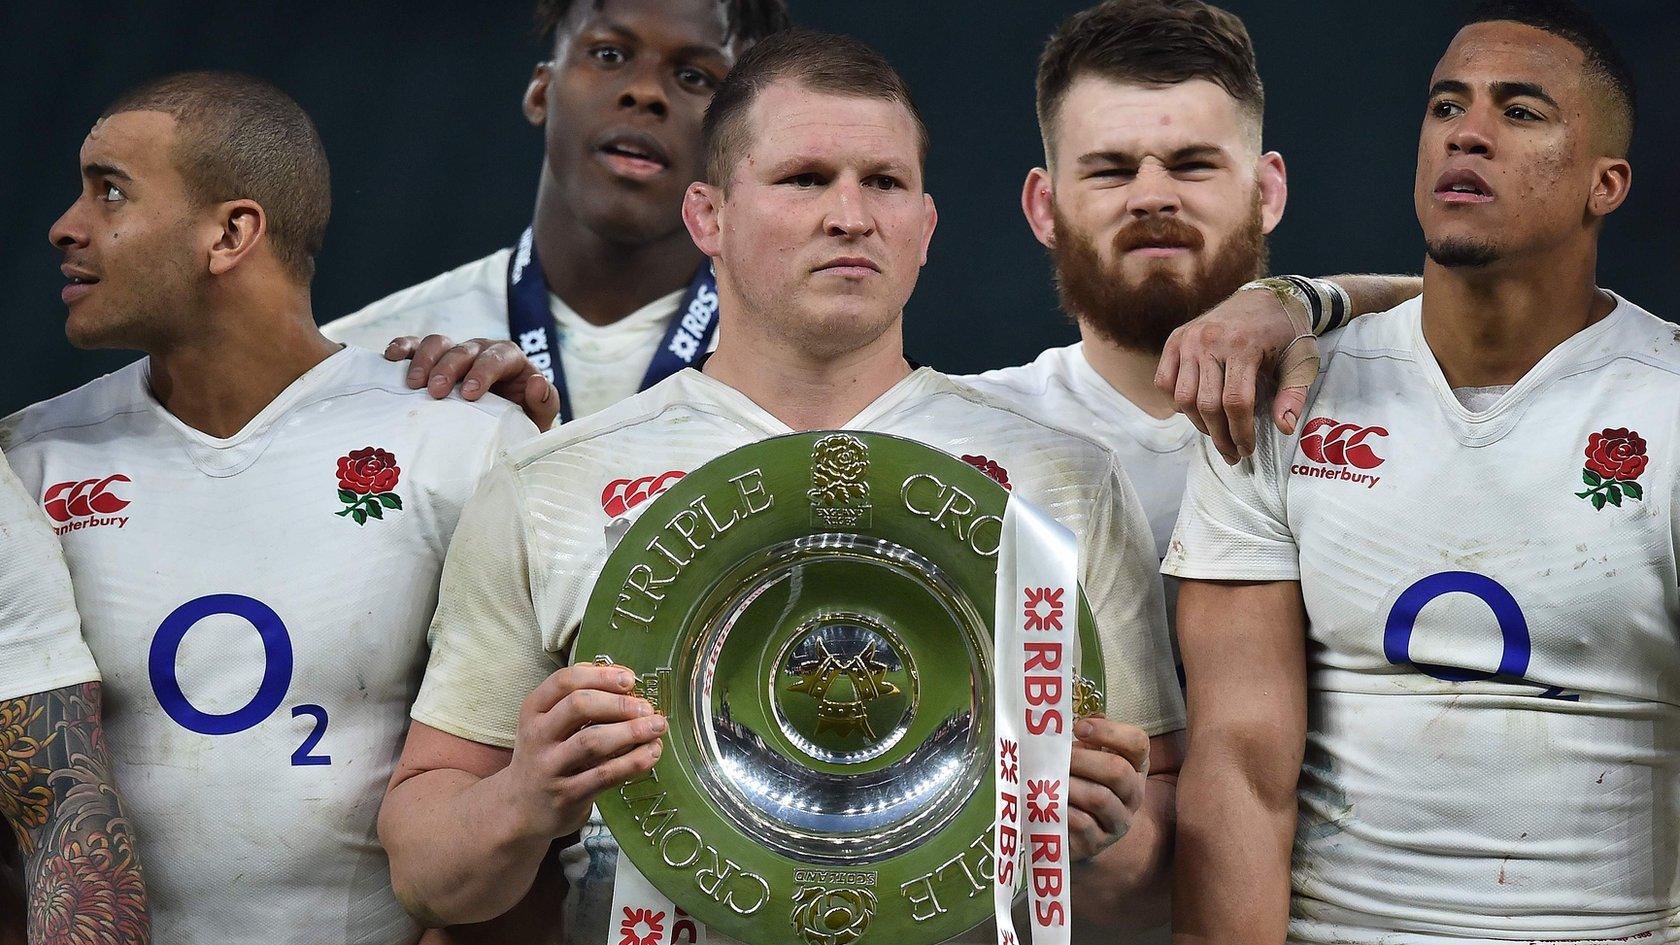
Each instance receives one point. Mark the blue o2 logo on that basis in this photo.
(1513, 628)
(276, 678)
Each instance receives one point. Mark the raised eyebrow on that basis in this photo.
(104, 170)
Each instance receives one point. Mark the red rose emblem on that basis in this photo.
(368, 470)
(1615, 458)
(990, 467)
(1617, 454)
(365, 480)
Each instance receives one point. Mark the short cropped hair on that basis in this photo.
(240, 137)
(1149, 42)
(820, 62)
(749, 20)
(1605, 65)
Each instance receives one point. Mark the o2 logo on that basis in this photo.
(276, 680)
(1516, 645)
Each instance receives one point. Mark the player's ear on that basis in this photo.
(535, 103)
(1273, 180)
(237, 228)
(1611, 183)
(1039, 204)
(700, 212)
(932, 223)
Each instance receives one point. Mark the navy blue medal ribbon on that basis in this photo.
(532, 325)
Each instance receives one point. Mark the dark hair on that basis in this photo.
(1567, 20)
(749, 20)
(1152, 42)
(821, 62)
(240, 137)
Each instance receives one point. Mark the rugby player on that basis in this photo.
(1155, 201)
(80, 871)
(1430, 635)
(254, 517)
(814, 215)
(605, 291)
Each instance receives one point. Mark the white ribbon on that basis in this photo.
(1035, 647)
(642, 915)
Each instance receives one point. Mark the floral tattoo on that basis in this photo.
(81, 874)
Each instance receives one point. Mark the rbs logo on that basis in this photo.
(85, 503)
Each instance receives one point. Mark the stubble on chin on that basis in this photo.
(1462, 253)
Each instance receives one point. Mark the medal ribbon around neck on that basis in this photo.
(532, 325)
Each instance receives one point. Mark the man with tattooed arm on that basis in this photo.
(67, 822)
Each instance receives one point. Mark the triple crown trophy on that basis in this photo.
(814, 615)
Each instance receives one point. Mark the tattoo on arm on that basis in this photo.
(81, 874)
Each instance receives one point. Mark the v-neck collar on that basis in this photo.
(219, 456)
(917, 381)
(1488, 426)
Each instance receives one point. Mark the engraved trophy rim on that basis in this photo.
(894, 546)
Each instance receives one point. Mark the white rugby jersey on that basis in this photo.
(1493, 746)
(258, 606)
(535, 538)
(41, 645)
(1061, 388)
(603, 364)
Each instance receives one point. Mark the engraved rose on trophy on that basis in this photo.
(832, 916)
(839, 494)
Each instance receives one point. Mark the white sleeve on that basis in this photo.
(41, 645)
(513, 429)
(1233, 525)
(1121, 583)
(487, 648)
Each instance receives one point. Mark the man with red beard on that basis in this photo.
(1154, 203)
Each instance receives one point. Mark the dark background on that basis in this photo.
(433, 164)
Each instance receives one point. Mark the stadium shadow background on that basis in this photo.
(433, 165)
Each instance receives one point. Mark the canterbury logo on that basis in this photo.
(622, 495)
(85, 503)
(1340, 444)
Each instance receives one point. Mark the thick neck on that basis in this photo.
(237, 359)
(1128, 371)
(805, 391)
(600, 280)
(1488, 326)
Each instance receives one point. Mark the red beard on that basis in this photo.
(1141, 315)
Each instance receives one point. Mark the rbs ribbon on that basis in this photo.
(1035, 647)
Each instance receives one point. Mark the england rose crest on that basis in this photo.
(1615, 458)
(366, 478)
